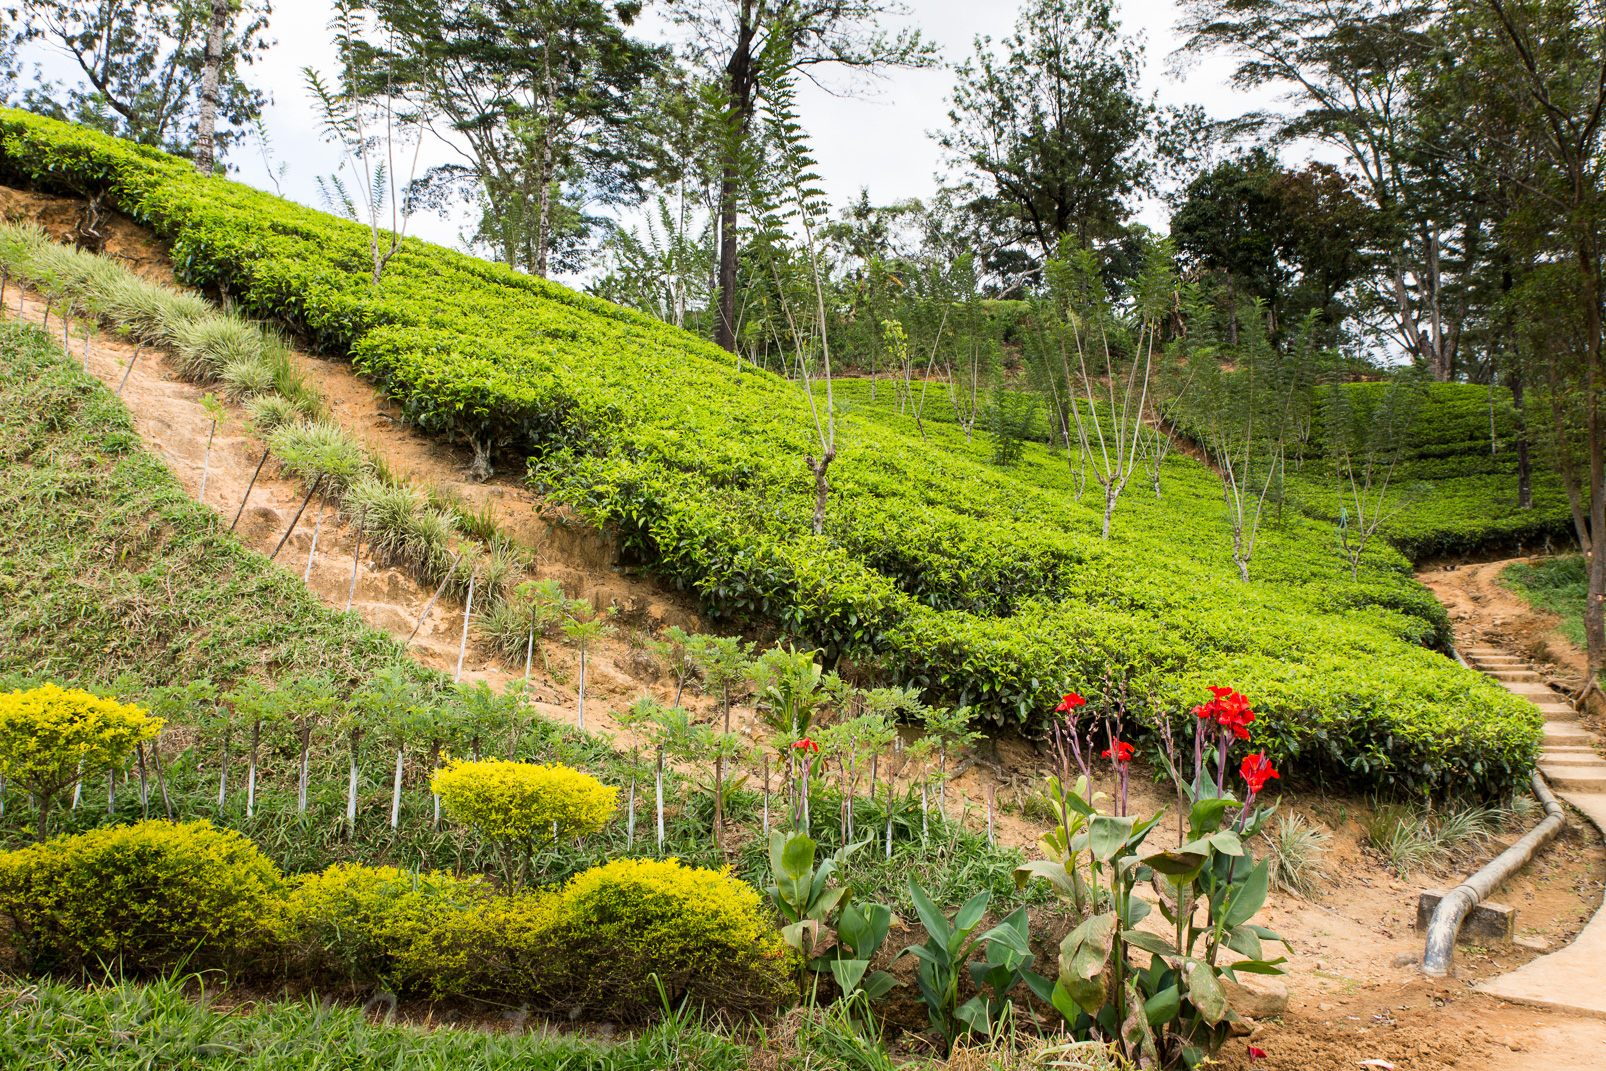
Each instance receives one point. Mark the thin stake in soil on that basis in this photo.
(766, 797)
(356, 556)
(248, 487)
(468, 610)
(660, 777)
(296, 519)
(144, 791)
(529, 649)
(992, 798)
(130, 369)
(430, 605)
(111, 793)
(206, 463)
(316, 528)
(161, 777)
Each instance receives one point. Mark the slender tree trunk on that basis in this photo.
(395, 793)
(302, 778)
(251, 769)
(206, 125)
(1525, 494)
(351, 789)
(739, 87)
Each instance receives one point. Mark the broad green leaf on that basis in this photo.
(1204, 989)
(1107, 835)
(1249, 898)
(1178, 864)
(1163, 1006)
(1205, 818)
(1259, 966)
(1242, 940)
(931, 916)
(848, 972)
(970, 914)
(1149, 942)
(1063, 1002)
(879, 984)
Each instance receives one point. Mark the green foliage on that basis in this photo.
(516, 805)
(1559, 585)
(378, 926)
(163, 1025)
(144, 898)
(988, 586)
(942, 960)
(51, 736)
(702, 933)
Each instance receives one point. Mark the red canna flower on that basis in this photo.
(1123, 752)
(1256, 1054)
(1229, 710)
(806, 744)
(1256, 769)
(1070, 703)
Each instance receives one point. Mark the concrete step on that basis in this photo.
(1495, 660)
(1571, 760)
(1564, 734)
(1483, 650)
(1533, 691)
(1575, 778)
(1513, 675)
(1558, 711)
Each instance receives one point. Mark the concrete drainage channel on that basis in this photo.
(1574, 978)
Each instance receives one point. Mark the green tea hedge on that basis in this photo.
(989, 586)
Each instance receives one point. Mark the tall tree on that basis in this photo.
(211, 68)
(144, 65)
(1347, 65)
(1530, 77)
(749, 42)
(1054, 133)
(527, 92)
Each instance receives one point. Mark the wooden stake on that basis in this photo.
(248, 486)
(130, 370)
(529, 649)
(144, 792)
(431, 604)
(161, 778)
(206, 465)
(296, 519)
(766, 797)
(992, 799)
(462, 644)
(356, 555)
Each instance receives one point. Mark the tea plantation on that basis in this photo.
(988, 586)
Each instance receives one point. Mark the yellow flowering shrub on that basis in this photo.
(517, 805)
(704, 933)
(142, 898)
(50, 736)
(400, 929)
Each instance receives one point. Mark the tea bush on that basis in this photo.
(984, 586)
(143, 898)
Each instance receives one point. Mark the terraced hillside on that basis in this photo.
(987, 585)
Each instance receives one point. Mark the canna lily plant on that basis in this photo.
(1174, 1011)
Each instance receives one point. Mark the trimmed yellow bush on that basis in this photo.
(388, 927)
(51, 736)
(516, 805)
(140, 898)
(704, 933)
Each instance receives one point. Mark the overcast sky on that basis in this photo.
(878, 139)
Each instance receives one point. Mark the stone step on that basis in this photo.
(1513, 675)
(1571, 760)
(1533, 691)
(1575, 778)
(1559, 711)
(1495, 660)
(1560, 734)
(1482, 650)
(1570, 749)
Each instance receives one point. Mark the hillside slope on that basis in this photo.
(988, 586)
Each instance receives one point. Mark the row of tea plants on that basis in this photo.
(979, 584)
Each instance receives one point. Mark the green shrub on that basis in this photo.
(144, 898)
(380, 926)
(703, 933)
(517, 805)
(51, 736)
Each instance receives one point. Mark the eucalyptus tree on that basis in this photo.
(748, 45)
(157, 72)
